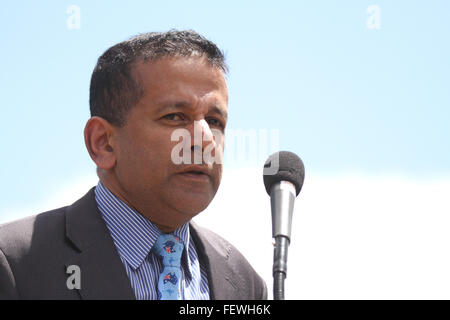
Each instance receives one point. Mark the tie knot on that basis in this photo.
(170, 248)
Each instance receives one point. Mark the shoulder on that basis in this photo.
(46, 231)
(16, 237)
(25, 244)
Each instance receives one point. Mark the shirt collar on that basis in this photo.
(133, 234)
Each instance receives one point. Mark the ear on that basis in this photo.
(98, 137)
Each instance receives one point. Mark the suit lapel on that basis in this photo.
(103, 275)
(214, 254)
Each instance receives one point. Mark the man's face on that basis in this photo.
(178, 93)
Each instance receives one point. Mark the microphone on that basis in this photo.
(283, 176)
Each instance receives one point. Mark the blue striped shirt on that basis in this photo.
(134, 236)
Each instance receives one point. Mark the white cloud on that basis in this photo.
(353, 237)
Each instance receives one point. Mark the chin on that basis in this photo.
(195, 209)
(192, 207)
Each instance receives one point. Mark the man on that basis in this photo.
(159, 111)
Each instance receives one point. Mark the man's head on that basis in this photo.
(142, 91)
(115, 89)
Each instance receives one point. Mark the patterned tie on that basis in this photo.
(169, 248)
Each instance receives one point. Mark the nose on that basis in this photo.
(202, 137)
(202, 131)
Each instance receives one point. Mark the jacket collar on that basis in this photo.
(103, 275)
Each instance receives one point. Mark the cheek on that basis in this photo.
(138, 158)
(130, 163)
(217, 175)
(156, 161)
(215, 149)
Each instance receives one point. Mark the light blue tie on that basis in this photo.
(169, 248)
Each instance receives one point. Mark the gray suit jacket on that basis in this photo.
(36, 251)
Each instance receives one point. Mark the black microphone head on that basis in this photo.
(284, 166)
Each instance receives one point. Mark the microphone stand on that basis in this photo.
(282, 198)
(279, 266)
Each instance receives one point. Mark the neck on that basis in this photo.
(162, 221)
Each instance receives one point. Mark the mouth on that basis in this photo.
(198, 174)
(194, 176)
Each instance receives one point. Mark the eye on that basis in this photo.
(215, 122)
(174, 116)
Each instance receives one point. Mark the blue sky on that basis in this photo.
(343, 97)
(351, 101)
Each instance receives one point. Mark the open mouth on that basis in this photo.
(195, 173)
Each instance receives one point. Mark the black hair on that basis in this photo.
(114, 89)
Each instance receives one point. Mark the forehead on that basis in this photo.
(181, 76)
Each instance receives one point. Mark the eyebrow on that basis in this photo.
(216, 109)
(186, 105)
